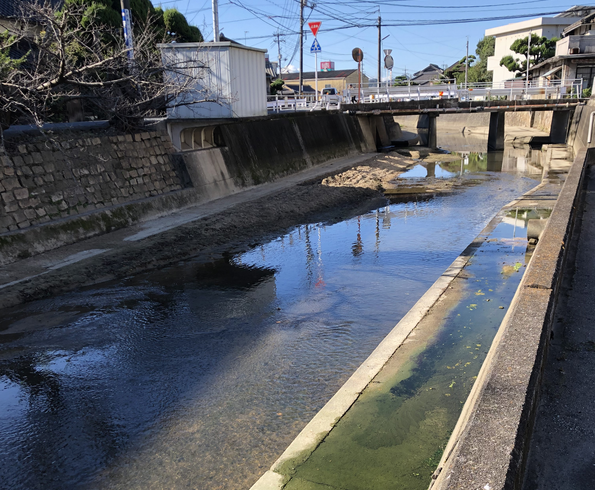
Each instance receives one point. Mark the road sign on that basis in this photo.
(388, 51)
(389, 62)
(357, 54)
(314, 26)
(315, 47)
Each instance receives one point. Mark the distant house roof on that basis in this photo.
(322, 75)
(270, 68)
(577, 11)
(588, 19)
(223, 38)
(555, 60)
(457, 65)
(428, 74)
(293, 88)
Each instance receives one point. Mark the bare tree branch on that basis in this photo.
(68, 56)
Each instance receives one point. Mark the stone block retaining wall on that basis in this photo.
(57, 179)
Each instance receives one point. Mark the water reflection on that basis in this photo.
(199, 375)
(459, 141)
(522, 159)
(428, 170)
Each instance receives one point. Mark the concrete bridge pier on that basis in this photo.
(559, 127)
(496, 131)
(426, 128)
(379, 131)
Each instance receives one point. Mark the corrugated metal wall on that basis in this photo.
(248, 82)
(233, 79)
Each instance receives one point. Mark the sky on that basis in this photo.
(419, 32)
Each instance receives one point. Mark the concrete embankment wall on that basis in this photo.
(60, 191)
(489, 446)
(582, 122)
(262, 150)
(541, 120)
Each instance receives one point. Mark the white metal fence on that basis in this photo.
(508, 90)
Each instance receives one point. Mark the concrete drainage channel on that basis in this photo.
(489, 442)
(489, 446)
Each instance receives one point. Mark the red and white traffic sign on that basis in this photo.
(314, 26)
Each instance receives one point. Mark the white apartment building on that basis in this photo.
(541, 26)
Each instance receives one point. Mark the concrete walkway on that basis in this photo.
(562, 454)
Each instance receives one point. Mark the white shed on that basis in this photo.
(230, 84)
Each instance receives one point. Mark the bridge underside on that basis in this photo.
(428, 111)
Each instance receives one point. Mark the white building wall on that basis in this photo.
(231, 84)
(248, 83)
(506, 35)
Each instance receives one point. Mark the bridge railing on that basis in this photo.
(294, 103)
(520, 89)
(444, 89)
(507, 90)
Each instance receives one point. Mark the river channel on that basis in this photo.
(199, 375)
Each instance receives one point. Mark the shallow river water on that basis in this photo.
(199, 375)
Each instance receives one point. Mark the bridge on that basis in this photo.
(191, 134)
(429, 110)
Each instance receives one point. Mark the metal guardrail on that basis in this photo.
(508, 90)
(294, 103)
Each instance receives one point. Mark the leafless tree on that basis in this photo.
(60, 55)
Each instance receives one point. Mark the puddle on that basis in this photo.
(428, 171)
(394, 435)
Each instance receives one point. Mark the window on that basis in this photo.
(328, 85)
(586, 73)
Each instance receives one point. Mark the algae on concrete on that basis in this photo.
(394, 434)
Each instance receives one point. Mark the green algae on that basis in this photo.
(394, 435)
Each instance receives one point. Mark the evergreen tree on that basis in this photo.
(541, 49)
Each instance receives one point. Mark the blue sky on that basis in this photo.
(414, 29)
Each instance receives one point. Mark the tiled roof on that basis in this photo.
(431, 68)
(293, 88)
(585, 20)
(577, 11)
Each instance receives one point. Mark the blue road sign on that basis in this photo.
(315, 47)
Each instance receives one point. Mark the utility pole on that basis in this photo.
(215, 22)
(302, 2)
(379, 51)
(528, 60)
(127, 24)
(467, 63)
(279, 50)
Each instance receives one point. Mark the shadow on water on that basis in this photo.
(199, 375)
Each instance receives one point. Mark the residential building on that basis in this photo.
(548, 27)
(575, 55)
(428, 75)
(339, 79)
